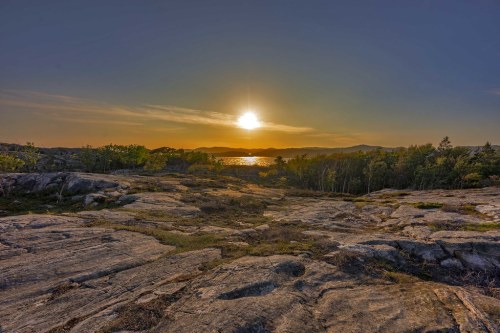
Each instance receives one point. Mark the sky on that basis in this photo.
(316, 73)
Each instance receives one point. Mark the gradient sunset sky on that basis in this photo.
(317, 73)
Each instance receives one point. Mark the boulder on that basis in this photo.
(478, 261)
(81, 183)
(452, 263)
(94, 198)
(427, 251)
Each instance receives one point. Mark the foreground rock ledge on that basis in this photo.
(61, 273)
(62, 277)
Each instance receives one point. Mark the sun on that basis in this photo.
(248, 120)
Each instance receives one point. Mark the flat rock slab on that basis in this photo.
(115, 216)
(409, 215)
(330, 214)
(289, 294)
(448, 197)
(249, 190)
(162, 202)
(38, 253)
(61, 274)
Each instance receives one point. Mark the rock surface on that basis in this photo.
(180, 254)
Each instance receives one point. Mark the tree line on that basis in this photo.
(114, 157)
(419, 167)
(109, 158)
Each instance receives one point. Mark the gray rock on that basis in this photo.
(425, 251)
(127, 199)
(94, 198)
(52, 182)
(77, 198)
(478, 261)
(85, 183)
(380, 251)
(452, 263)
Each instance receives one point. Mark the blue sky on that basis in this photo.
(318, 73)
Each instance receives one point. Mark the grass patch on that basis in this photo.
(279, 239)
(224, 211)
(236, 213)
(362, 203)
(295, 192)
(487, 226)
(464, 209)
(182, 242)
(287, 238)
(481, 227)
(461, 209)
(427, 205)
(393, 195)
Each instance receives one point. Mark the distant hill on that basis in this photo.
(286, 152)
(292, 152)
(232, 152)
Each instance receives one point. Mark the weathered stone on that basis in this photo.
(165, 202)
(103, 268)
(94, 198)
(85, 183)
(115, 216)
(380, 251)
(492, 210)
(417, 232)
(477, 261)
(452, 263)
(425, 251)
(262, 227)
(68, 183)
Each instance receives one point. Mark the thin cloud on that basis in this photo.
(78, 110)
(337, 138)
(100, 121)
(285, 128)
(495, 92)
(188, 116)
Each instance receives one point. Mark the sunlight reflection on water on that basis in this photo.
(248, 160)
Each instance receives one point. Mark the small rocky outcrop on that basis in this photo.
(57, 182)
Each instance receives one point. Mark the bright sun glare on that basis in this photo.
(248, 121)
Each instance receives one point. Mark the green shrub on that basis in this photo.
(10, 163)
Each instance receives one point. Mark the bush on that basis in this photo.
(30, 156)
(9, 163)
(156, 162)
